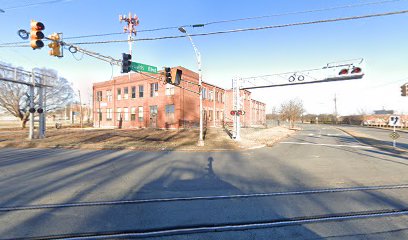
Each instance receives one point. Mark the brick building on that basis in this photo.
(141, 102)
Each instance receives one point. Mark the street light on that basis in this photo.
(200, 76)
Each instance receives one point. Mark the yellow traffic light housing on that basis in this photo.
(55, 45)
(404, 90)
(36, 35)
(176, 76)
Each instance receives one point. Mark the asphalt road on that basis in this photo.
(319, 183)
(382, 135)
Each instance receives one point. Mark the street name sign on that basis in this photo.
(140, 67)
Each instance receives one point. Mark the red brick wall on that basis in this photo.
(186, 103)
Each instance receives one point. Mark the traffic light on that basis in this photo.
(176, 76)
(40, 110)
(31, 110)
(55, 45)
(167, 75)
(36, 35)
(404, 90)
(126, 62)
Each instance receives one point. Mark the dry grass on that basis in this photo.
(136, 139)
(139, 139)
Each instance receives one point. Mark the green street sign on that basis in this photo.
(140, 67)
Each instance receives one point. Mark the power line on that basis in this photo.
(252, 29)
(34, 4)
(303, 12)
(221, 21)
(245, 19)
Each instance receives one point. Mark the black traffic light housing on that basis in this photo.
(126, 62)
(167, 75)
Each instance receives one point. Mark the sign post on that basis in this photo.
(394, 121)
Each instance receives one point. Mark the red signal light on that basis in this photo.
(344, 71)
(233, 113)
(356, 70)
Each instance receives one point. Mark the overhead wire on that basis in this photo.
(252, 28)
(303, 12)
(34, 4)
(226, 21)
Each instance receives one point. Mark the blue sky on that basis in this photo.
(380, 41)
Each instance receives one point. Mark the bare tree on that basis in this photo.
(14, 98)
(292, 110)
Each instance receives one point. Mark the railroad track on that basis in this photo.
(225, 227)
(201, 198)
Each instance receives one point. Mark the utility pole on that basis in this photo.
(335, 109)
(31, 131)
(130, 28)
(80, 109)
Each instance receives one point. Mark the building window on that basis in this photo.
(216, 96)
(153, 110)
(126, 114)
(169, 89)
(133, 114)
(109, 114)
(99, 114)
(141, 90)
(217, 116)
(210, 114)
(211, 95)
(154, 89)
(170, 113)
(204, 93)
(125, 93)
(118, 114)
(99, 96)
(222, 97)
(119, 94)
(140, 114)
(133, 92)
(109, 95)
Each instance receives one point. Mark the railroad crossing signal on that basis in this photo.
(55, 45)
(237, 112)
(36, 35)
(404, 90)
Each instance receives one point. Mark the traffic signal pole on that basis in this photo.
(130, 28)
(31, 130)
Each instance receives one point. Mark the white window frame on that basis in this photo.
(118, 113)
(140, 115)
(126, 114)
(169, 89)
